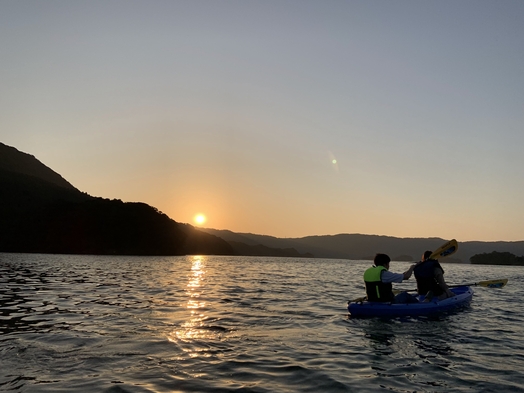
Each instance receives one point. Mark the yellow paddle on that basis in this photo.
(501, 283)
(445, 250)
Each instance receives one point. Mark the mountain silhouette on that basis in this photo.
(364, 247)
(11, 160)
(40, 212)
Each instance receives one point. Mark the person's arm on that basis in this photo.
(409, 272)
(388, 276)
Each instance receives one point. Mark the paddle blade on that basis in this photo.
(493, 283)
(447, 249)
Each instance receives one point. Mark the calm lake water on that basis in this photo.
(243, 324)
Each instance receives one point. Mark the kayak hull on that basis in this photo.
(462, 297)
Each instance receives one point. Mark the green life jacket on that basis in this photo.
(376, 290)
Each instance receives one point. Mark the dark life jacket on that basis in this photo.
(426, 280)
(376, 290)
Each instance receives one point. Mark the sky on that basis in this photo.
(279, 117)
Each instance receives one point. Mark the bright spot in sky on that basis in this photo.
(200, 219)
(334, 161)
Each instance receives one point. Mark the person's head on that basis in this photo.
(426, 255)
(382, 260)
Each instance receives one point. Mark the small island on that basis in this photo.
(497, 258)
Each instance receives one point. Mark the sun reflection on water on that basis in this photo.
(194, 328)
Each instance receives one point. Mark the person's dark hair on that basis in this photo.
(427, 254)
(381, 260)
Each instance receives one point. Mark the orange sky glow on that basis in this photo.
(402, 119)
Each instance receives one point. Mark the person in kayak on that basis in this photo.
(378, 281)
(430, 278)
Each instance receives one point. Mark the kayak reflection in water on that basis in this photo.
(379, 281)
(430, 278)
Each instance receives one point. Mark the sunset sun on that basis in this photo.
(200, 219)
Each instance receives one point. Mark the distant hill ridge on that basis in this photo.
(364, 247)
(41, 212)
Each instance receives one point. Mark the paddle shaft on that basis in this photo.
(488, 284)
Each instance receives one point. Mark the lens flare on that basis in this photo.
(334, 162)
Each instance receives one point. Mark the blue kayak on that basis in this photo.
(462, 297)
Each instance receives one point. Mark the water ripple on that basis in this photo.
(224, 324)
